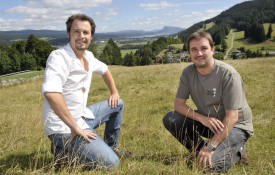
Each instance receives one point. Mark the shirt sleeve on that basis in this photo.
(56, 73)
(232, 91)
(183, 89)
(97, 66)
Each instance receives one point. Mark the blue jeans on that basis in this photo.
(190, 132)
(97, 153)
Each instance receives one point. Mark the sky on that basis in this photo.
(109, 15)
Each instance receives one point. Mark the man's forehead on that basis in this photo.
(202, 41)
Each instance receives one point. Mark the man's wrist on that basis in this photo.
(210, 147)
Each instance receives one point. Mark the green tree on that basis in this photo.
(111, 53)
(28, 62)
(269, 32)
(129, 60)
(93, 49)
(5, 63)
(224, 45)
(40, 50)
(14, 57)
(20, 46)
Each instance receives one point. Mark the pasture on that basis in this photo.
(148, 93)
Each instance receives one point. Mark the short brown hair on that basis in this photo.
(198, 35)
(81, 17)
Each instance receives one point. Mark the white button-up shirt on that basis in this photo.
(65, 74)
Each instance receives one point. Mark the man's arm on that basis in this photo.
(109, 81)
(57, 103)
(204, 156)
(215, 125)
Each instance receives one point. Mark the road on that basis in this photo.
(231, 45)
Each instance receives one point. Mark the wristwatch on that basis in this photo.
(210, 147)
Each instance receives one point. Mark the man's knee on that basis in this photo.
(168, 120)
(113, 163)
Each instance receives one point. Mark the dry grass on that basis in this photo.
(148, 93)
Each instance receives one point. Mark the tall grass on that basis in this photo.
(148, 93)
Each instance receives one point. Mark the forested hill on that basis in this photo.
(247, 16)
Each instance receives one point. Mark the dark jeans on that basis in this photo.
(189, 133)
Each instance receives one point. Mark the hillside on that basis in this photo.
(148, 93)
(241, 17)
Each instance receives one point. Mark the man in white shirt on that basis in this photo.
(68, 123)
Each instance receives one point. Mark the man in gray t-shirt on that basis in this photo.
(222, 115)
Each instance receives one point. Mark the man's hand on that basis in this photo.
(215, 125)
(113, 100)
(86, 134)
(204, 158)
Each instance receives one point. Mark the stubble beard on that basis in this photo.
(81, 46)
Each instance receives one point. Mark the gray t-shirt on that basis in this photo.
(220, 90)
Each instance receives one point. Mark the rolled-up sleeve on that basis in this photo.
(55, 74)
(96, 65)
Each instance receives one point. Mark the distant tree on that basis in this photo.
(129, 60)
(5, 63)
(257, 32)
(184, 47)
(218, 48)
(269, 32)
(31, 44)
(223, 46)
(111, 54)
(105, 58)
(248, 53)
(20, 46)
(146, 55)
(165, 60)
(40, 50)
(28, 62)
(14, 57)
(242, 49)
(93, 49)
(219, 56)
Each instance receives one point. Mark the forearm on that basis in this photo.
(181, 107)
(109, 81)
(229, 121)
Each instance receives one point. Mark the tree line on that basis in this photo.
(24, 55)
(32, 54)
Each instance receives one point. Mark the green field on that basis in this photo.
(148, 93)
(22, 75)
(239, 41)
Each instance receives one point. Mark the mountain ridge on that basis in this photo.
(61, 35)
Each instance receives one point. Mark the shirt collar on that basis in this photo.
(70, 51)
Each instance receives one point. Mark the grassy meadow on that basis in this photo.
(239, 41)
(148, 93)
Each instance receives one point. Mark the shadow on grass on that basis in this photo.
(164, 159)
(20, 163)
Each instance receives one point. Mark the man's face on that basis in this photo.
(201, 52)
(80, 35)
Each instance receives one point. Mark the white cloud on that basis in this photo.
(157, 6)
(68, 4)
(49, 14)
(105, 15)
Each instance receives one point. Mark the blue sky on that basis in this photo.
(109, 15)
